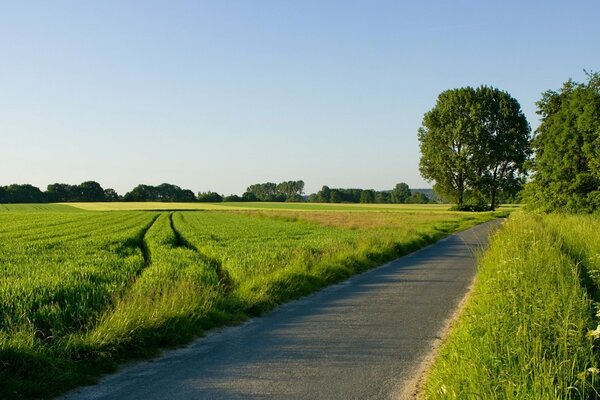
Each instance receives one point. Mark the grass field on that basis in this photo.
(345, 207)
(84, 290)
(530, 328)
(38, 208)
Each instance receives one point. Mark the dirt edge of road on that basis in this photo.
(414, 389)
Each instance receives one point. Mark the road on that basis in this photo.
(365, 338)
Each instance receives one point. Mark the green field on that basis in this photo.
(84, 290)
(37, 207)
(530, 328)
(130, 206)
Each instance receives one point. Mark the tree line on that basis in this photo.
(91, 191)
(400, 194)
(477, 148)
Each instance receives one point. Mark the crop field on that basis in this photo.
(530, 329)
(84, 290)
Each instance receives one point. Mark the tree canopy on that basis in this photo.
(474, 144)
(400, 194)
(566, 167)
(164, 192)
(269, 191)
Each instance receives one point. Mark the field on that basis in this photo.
(84, 290)
(346, 207)
(530, 328)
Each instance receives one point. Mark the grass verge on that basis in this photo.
(527, 331)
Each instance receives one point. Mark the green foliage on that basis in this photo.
(400, 194)
(528, 330)
(111, 195)
(567, 149)
(163, 192)
(418, 198)
(210, 197)
(367, 196)
(474, 144)
(284, 191)
(22, 194)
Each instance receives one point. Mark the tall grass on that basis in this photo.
(527, 330)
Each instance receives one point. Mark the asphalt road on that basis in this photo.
(365, 338)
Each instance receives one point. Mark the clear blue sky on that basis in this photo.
(217, 95)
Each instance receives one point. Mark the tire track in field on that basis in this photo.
(143, 246)
(225, 281)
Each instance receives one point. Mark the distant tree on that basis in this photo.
(233, 198)
(62, 192)
(291, 190)
(185, 196)
(142, 193)
(324, 195)
(111, 195)
(210, 197)
(382, 197)
(400, 193)
(367, 196)
(24, 194)
(474, 141)
(335, 196)
(3, 195)
(90, 191)
(566, 167)
(168, 192)
(265, 191)
(249, 196)
(417, 198)
(313, 198)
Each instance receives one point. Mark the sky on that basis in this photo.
(218, 95)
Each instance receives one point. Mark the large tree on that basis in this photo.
(566, 167)
(474, 144)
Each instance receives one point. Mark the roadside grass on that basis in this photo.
(84, 291)
(528, 328)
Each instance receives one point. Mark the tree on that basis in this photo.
(324, 195)
(111, 195)
(417, 198)
(474, 144)
(233, 198)
(566, 167)
(367, 196)
(90, 191)
(24, 194)
(210, 197)
(249, 196)
(264, 192)
(382, 197)
(141, 193)
(400, 193)
(335, 196)
(291, 190)
(61, 192)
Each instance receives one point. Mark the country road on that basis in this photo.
(365, 338)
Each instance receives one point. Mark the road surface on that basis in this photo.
(365, 338)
